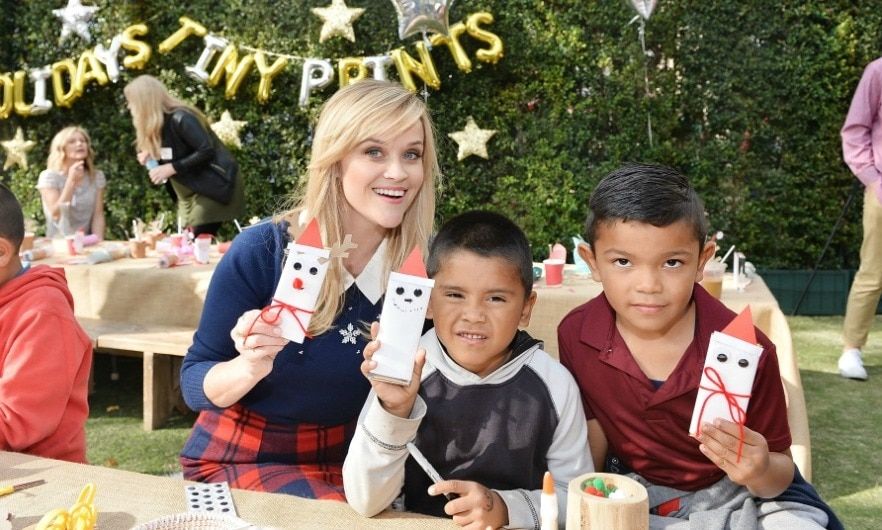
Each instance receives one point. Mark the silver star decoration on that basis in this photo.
(75, 18)
(337, 20)
(227, 129)
(472, 140)
(17, 150)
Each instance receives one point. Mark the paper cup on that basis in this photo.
(553, 271)
(712, 278)
(138, 248)
(201, 248)
(588, 511)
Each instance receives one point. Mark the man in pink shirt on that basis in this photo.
(862, 151)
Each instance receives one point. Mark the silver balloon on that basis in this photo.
(213, 44)
(417, 16)
(109, 57)
(38, 76)
(644, 7)
(378, 64)
(309, 80)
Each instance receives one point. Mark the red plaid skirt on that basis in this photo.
(242, 448)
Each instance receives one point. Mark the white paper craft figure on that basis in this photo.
(727, 377)
(302, 278)
(401, 321)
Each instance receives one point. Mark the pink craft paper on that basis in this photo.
(297, 292)
(558, 251)
(728, 374)
(401, 321)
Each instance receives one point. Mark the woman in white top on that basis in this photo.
(71, 188)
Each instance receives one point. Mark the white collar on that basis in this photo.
(370, 281)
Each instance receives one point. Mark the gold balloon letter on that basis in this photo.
(142, 49)
(188, 27)
(456, 50)
(89, 68)
(229, 64)
(21, 108)
(345, 68)
(267, 73)
(7, 83)
(64, 98)
(494, 52)
(425, 70)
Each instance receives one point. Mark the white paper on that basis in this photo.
(302, 279)
(401, 325)
(735, 361)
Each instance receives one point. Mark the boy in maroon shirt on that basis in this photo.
(637, 351)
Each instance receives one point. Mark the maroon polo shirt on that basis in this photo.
(648, 429)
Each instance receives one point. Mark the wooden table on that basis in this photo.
(125, 499)
(138, 290)
(553, 303)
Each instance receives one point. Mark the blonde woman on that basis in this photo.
(179, 149)
(279, 416)
(71, 188)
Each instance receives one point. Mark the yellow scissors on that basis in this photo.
(81, 516)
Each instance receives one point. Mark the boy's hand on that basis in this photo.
(396, 399)
(476, 508)
(719, 442)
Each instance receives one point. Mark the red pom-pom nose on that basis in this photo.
(298, 283)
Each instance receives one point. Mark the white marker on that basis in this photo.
(548, 504)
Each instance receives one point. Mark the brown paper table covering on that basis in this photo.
(138, 290)
(553, 303)
(125, 499)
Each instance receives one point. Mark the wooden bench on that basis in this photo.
(161, 347)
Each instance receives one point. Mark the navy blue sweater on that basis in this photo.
(315, 382)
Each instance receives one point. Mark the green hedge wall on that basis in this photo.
(747, 98)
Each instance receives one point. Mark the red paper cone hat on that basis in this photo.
(311, 237)
(741, 327)
(413, 265)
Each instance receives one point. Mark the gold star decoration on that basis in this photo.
(227, 129)
(472, 140)
(17, 150)
(337, 20)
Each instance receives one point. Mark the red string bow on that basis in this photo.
(272, 313)
(736, 413)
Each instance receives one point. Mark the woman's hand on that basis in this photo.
(477, 506)
(257, 342)
(142, 157)
(395, 399)
(161, 173)
(75, 173)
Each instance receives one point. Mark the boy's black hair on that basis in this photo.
(487, 234)
(11, 218)
(648, 193)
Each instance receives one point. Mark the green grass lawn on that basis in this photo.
(844, 417)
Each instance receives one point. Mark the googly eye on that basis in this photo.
(297, 266)
(722, 357)
(418, 292)
(313, 270)
(399, 291)
(744, 363)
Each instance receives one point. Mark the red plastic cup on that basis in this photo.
(553, 272)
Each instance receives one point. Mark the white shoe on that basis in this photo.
(851, 366)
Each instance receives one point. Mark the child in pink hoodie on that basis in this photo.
(45, 356)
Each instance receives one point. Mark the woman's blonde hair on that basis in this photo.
(362, 110)
(149, 101)
(57, 160)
